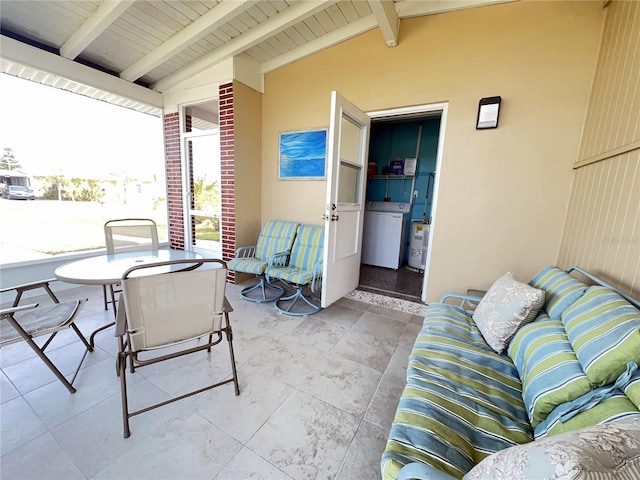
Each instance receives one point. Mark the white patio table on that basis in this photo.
(108, 269)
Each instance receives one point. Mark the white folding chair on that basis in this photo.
(128, 235)
(27, 322)
(168, 304)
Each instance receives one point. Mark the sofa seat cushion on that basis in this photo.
(548, 367)
(561, 289)
(462, 400)
(603, 452)
(506, 306)
(604, 331)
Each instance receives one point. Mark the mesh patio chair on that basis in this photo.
(185, 310)
(26, 322)
(302, 269)
(276, 237)
(128, 235)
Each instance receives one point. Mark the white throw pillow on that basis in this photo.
(508, 305)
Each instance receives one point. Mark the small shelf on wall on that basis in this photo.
(389, 177)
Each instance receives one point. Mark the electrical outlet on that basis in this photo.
(415, 194)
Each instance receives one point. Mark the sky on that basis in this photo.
(51, 130)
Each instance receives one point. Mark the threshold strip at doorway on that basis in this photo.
(388, 302)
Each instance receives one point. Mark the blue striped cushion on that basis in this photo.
(308, 247)
(604, 330)
(276, 236)
(291, 275)
(247, 265)
(633, 389)
(548, 367)
(561, 289)
(462, 400)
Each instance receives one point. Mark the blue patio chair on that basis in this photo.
(303, 269)
(276, 237)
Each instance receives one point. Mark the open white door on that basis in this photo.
(348, 147)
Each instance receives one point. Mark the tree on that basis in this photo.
(8, 160)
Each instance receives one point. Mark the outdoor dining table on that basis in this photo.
(108, 269)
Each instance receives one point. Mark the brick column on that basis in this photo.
(173, 168)
(227, 176)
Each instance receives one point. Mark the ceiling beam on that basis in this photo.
(274, 25)
(214, 18)
(388, 20)
(93, 26)
(408, 9)
(33, 57)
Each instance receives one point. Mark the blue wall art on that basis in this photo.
(303, 155)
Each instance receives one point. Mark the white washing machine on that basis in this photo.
(383, 238)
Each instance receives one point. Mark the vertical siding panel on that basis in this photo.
(613, 81)
(602, 228)
(627, 236)
(632, 70)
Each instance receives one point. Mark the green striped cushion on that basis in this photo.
(561, 289)
(308, 247)
(617, 407)
(604, 330)
(462, 400)
(548, 367)
(291, 275)
(247, 265)
(276, 236)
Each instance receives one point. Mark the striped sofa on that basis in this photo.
(574, 366)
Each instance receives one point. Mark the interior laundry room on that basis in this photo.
(399, 200)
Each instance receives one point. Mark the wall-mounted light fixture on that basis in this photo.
(488, 112)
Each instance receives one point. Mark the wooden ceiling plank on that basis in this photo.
(97, 23)
(333, 38)
(348, 10)
(388, 20)
(270, 27)
(213, 19)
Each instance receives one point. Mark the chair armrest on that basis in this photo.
(280, 259)
(5, 312)
(121, 318)
(29, 286)
(316, 282)
(246, 252)
(461, 298)
(422, 471)
(20, 289)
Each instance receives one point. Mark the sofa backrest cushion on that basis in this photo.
(604, 331)
(506, 306)
(548, 367)
(276, 236)
(561, 289)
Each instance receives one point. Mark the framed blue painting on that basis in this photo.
(303, 155)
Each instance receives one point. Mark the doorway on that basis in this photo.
(201, 160)
(404, 153)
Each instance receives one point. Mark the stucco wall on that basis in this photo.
(502, 193)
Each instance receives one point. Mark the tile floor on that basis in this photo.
(318, 395)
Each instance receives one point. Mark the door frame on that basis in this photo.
(416, 111)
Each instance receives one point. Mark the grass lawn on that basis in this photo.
(51, 226)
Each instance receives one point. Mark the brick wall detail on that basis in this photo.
(227, 175)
